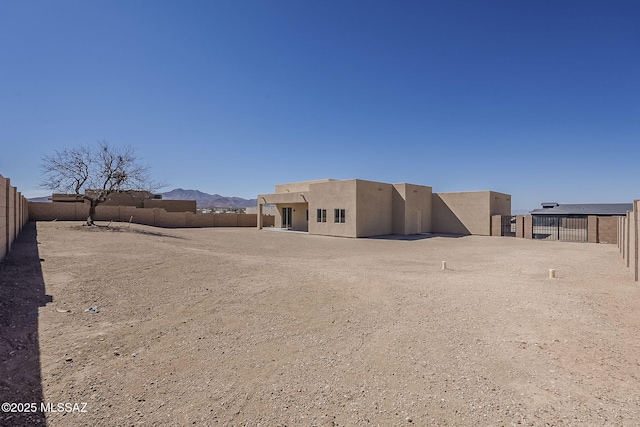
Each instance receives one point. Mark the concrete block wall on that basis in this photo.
(58, 211)
(14, 214)
(621, 225)
(201, 220)
(636, 250)
(4, 218)
(624, 238)
(592, 229)
(607, 230)
(496, 225)
(628, 239)
(157, 217)
(528, 227)
(520, 226)
(629, 234)
(171, 205)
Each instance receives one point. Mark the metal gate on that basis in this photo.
(508, 225)
(566, 228)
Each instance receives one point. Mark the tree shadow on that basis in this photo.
(122, 229)
(22, 292)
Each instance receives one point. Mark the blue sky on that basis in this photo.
(538, 99)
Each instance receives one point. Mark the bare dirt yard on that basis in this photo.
(245, 327)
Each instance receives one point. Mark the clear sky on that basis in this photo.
(536, 98)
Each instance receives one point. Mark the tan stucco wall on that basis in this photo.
(332, 195)
(296, 187)
(500, 203)
(461, 213)
(468, 212)
(266, 210)
(374, 208)
(412, 208)
(298, 216)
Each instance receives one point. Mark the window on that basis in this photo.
(322, 215)
(339, 215)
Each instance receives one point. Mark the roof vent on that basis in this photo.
(549, 205)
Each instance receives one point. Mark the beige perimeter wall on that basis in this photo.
(628, 241)
(39, 211)
(171, 205)
(14, 213)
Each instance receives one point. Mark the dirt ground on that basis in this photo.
(245, 327)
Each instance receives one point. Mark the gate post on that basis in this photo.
(528, 227)
(520, 226)
(592, 229)
(496, 225)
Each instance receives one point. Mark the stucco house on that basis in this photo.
(360, 208)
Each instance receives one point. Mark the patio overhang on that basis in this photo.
(292, 198)
(278, 198)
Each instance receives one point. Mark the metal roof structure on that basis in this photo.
(599, 209)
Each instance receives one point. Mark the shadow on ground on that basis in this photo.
(122, 229)
(413, 237)
(21, 294)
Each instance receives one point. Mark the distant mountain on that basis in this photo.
(205, 200)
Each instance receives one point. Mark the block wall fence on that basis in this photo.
(623, 231)
(157, 217)
(628, 234)
(14, 214)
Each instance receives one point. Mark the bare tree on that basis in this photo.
(94, 172)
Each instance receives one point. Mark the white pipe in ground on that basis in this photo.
(552, 273)
(444, 265)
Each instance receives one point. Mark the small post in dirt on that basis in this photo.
(552, 273)
(130, 219)
(444, 265)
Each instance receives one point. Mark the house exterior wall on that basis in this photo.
(332, 195)
(297, 187)
(266, 210)
(298, 215)
(462, 213)
(412, 206)
(500, 203)
(374, 208)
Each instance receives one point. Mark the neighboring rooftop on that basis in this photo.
(601, 209)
